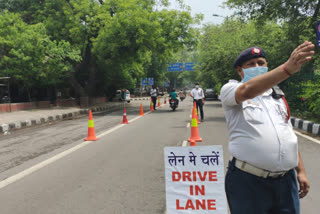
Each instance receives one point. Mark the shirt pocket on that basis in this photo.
(282, 113)
(253, 112)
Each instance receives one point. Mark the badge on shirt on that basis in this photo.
(253, 103)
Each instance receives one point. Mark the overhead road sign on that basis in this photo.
(189, 66)
(175, 67)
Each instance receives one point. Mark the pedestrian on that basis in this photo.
(154, 95)
(266, 167)
(198, 97)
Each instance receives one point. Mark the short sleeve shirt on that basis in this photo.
(258, 130)
(173, 95)
(153, 92)
(197, 93)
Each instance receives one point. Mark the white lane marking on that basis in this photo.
(307, 137)
(188, 125)
(38, 166)
(184, 143)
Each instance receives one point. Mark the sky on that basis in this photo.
(207, 8)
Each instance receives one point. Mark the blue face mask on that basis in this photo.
(253, 72)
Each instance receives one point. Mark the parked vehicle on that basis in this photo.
(123, 95)
(211, 93)
(162, 91)
(141, 92)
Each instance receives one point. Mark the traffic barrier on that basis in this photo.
(193, 143)
(159, 105)
(91, 133)
(125, 120)
(197, 116)
(151, 106)
(141, 110)
(194, 129)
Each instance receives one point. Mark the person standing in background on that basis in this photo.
(154, 95)
(198, 97)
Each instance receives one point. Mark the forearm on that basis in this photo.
(259, 84)
(300, 168)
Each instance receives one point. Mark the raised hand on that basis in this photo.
(303, 53)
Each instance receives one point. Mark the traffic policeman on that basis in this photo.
(266, 165)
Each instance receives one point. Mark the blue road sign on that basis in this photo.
(189, 66)
(175, 67)
(144, 81)
(166, 84)
(150, 81)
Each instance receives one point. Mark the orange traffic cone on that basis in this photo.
(165, 100)
(151, 106)
(193, 143)
(141, 110)
(159, 105)
(125, 121)
(194, 129)
(91, 133)
(195, 107)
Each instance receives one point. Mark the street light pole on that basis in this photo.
(225, 17)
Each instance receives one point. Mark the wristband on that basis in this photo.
(284, 69)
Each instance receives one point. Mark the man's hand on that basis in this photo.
(299, 56)
(304, 184)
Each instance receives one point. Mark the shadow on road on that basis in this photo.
(217, 105)
(215, 119)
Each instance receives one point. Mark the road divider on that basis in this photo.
(194, 130)
(141, 110)
(124, 119)
(151, 106)
(91, 133)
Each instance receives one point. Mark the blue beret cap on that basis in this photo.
(250, 53)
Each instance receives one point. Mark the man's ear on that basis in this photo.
(239, 69)
(240, 72)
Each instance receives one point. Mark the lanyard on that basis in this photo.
(288, 109)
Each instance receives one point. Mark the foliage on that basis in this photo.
(220, 46)
(28, 55)
(299, 21)
(118, 41)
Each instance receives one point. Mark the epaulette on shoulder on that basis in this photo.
(233, 81)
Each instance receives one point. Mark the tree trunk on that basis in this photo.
(79, 90)
(92, 80)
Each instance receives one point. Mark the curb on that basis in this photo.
(62, 116)
(305, 125)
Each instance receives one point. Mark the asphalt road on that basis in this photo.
(122, 172)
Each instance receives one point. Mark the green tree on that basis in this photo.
(29, 57)
(221, 44)
(119, 41)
